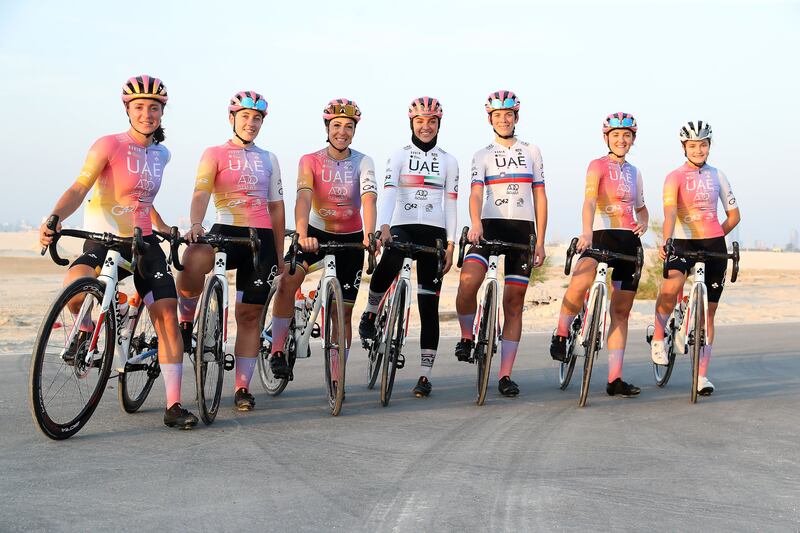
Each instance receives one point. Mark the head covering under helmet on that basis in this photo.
(248, 100)
(695, 131)
(619, 121)
(502, 100)
(144, 86)
(425, 106)
(341, 107)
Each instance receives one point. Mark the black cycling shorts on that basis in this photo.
(349, 262)
(252, 284)
(158, 283)
(619, 241)
(715, 268)
(428, 279)
(515, 262)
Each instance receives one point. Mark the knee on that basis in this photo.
(248, 317)
(619, 314)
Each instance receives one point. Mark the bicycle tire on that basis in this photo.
(62, 417)
(394, 342)
(209, 359)
(590, 353)
(334, 349)
(662, 373)
(567, 366)
(375, 354)
(136, 380)
(697, 346)
(272, 385)
(486, 342)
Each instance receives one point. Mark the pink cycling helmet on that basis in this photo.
(617, 121)
(144, 86)
(248, 100)
(502, 100)
(425, 106)
(341, 107)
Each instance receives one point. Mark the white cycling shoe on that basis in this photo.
(704, 386)
(658, 352)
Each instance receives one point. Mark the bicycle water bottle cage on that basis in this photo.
(229, 361)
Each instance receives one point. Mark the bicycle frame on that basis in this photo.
(489, 279)
(597, 291)
(302, 336)
(405, 275)
(220, 266)
(697, 292)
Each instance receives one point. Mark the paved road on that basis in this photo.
(536, 462)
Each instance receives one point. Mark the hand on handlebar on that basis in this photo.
(584, 242)
(475, 234)
(386, 234)
(539, 255)
(309, 244)
(46, 234)
(197, 230)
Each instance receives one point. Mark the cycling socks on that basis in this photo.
(466, 322)
(373, 301)
(426, 362)
(172, 373)
(564, 322)
(661, 323)
(280, 330)
(508, 352)
(86, 322)
(244, 371)
(615, 364)
(705, 357)
(186, 308)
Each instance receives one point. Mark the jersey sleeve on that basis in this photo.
(389, 195)
(638, 202)
(275, 192)
(96, 160)
(305, 173)
(671, 186)
(206, 171)
(367, 176)
(538, 168)
(725, 193)
(478, 170)
(451, 199)
(592, 187)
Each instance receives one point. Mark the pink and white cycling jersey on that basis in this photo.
(243, 180)
(618, 190)
(509, 176)
(420, 188)
(336, 189)
(695, 193)
(126, 176)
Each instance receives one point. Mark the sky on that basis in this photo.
(732, 64)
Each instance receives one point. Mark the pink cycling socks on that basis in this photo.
(186, 308)
(280, 330)
(661, 323)
(615, 364)
(173, 373)
(508, 352)
(466, 322)
(705, 357)
(244, 372)
(564, 322)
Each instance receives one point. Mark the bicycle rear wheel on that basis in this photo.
(272, 385)
(662, 373)
(567, 366)
(697, 342)
(66, 382)
(334, 345)
(209, 359)
(136, 379)
(395, 333)
(486, 342)
(375, 354)
(592, 344)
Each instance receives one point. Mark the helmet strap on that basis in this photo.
(245, 142)
(504, 136)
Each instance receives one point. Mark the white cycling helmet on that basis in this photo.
(695, 131)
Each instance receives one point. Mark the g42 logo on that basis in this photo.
(409, 207)
(501, 201)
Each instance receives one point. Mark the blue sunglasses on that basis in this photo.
(258, 105)
(508, 103)
(626, 122)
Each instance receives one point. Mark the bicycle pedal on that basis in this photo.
(229, 361)
(401, 361)
(316, 332)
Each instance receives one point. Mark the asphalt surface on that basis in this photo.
(537, 462)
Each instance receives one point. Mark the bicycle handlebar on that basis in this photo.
(702, 255)
(216, 241)
(409, 248)
(332, 247)
(604, 256)
(497, 247)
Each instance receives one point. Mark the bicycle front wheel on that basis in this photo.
(334, 345)
(272, 385)
(375, 354)
(141, 369)
(395, 334)
(697, 345)
(592, 344)
(662, 373)
(209, 359)
(69, 368)
(486, 342)
(567, 366)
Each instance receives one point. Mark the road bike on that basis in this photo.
(486, 328)
(687, 327)
(588, 329)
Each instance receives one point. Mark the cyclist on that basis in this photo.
(691, 193)
(334, 184)
(507, 195)
(419, 203)
(614, 218)
(125, 172)
(246, 183)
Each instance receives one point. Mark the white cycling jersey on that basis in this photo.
(509, 176)
(420, 188)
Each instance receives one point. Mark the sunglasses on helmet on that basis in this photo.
(344, 109)
(497, 103)
(626, 122)
(258, 105)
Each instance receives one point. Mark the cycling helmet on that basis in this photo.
(619, 121)
(502, 100)
(425, 106)
(248, 100)
(695, 131)
(144, 86)
(341, 107)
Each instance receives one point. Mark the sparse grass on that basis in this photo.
(538, 275)
(651, 278)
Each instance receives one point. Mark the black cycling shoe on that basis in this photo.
(279, 366)
(243, 400)
(423, 387)
(177, 416)
(507, 387)
(620, 388)
(464, 350)
(366, 328)
(78, 346)
(186, 335)
(558, 348)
